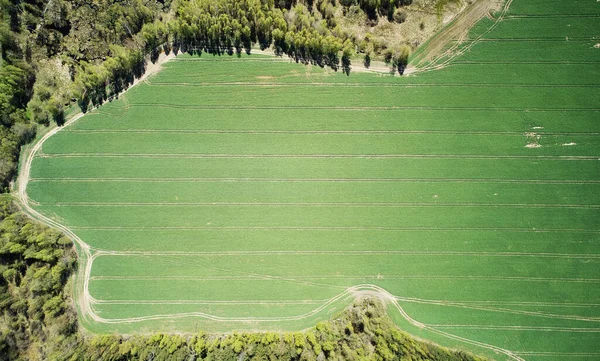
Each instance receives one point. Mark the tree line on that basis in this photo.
(90, 51)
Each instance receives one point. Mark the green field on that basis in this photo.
(255, 193)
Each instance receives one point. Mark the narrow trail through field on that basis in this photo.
(347, 253)
(340, 228)
(479, 10)
(305, 131)
(314, 156)
(81, 293)
(366, 108)
(312, 180)
(346, 277)
(397, 86)
(456, 31)
(318, 204)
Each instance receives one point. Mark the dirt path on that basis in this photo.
(457, 31)
(82, 296)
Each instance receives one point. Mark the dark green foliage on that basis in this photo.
(15, 129)
(376, 8)
(398, 58)
(232, 27)
(35, 264)
(96, 83)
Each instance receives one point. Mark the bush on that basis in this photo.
(400, 16)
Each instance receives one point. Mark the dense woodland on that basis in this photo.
(38, 320)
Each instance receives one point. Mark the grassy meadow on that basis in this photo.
(250, 193)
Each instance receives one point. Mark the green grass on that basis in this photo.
(258, 188)
(546, 28)
(545, 51)
(142, 118)
(169, 169)
(314, 144)
(318, 192)
(337, 215)
(554, 7)
(565, 242)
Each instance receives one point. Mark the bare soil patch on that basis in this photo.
(457, 31)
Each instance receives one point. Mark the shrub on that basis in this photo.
(400, 16)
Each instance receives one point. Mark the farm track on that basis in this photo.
(310, 180)
(558, 62)
(456, 50)
(476, 305)
(209, 302)
(565, 354)
(349, 292)
(490, 306)
(368, 132)
(505, 303)
(516, 312)
(81, 292)
(459, 28)
(533, 40)
(520, 328)
(551, 16)
(320, 301)
(323, 204)
(316, 156)
(319, 277)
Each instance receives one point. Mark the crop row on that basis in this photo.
(247, 98)
(167, 170)
(269, 216)
(315, 120)
(163, 144)
(343, 265)
(458, 240)
(285, 290)
(316, 192)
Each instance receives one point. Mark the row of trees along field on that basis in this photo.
(90, 51)
(38, 320)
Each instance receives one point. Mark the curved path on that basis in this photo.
(87, 255)
(444, 59)
(82, 296)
